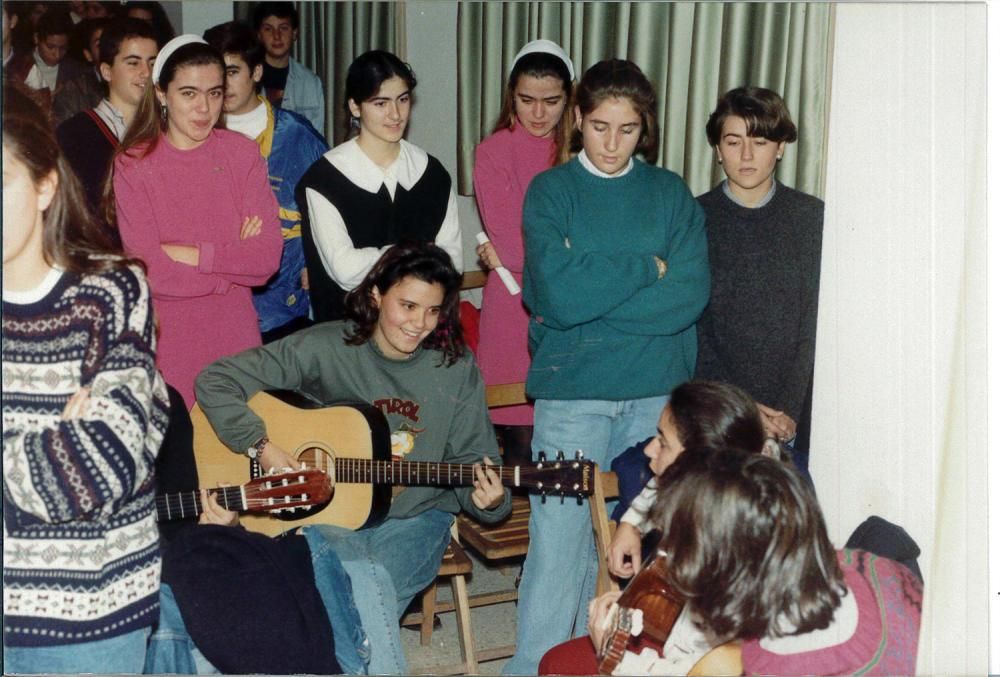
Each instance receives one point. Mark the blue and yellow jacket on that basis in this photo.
(290, 145)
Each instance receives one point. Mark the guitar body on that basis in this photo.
(315, 434)
(660, 605)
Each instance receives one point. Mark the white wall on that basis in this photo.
(899, 411)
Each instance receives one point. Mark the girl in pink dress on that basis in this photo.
(531, 135)
(194, 202)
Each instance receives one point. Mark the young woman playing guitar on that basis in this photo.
(401, 349)
(745, 548)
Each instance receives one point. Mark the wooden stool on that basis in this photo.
(454, 565)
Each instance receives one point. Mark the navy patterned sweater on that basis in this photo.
(80, 545)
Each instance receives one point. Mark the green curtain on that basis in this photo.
(691, 52)
(331, 35)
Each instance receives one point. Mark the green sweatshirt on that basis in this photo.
(442, 408)
(602, 325)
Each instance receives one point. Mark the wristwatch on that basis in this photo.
(257, 448)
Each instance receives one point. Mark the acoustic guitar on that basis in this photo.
(351, 443)
(275, 493)
(649, 592)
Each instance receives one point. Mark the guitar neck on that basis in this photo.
(423, 473)
(188, 503)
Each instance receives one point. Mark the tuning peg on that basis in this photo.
(543, 497)
(579, 454)
(541, 457)
(560, 456)
(562, 498)
(579, 499)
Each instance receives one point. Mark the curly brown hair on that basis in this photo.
(426, 262)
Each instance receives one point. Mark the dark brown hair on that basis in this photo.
(117, 31)
(763, 110)
(426, 262)
(747, 546)
(71, 238)
(365, 76)
(619, 79)
(714, 415)
(540, 65)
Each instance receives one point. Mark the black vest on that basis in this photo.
(372, 220)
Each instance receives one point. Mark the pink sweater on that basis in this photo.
(506, 162)
(200, 197)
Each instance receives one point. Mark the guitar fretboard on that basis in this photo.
(188, 503)
(425, 473)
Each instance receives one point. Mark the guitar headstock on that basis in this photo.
(290, 490)
(561, 477)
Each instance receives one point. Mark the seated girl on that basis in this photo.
(745, 548)
(401, 343)
(700, 415)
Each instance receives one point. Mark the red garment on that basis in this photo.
(468, 315)
(575, 657)
(200, 197)
(506, 162)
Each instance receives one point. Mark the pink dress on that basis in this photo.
(506, 162)
(200, 197)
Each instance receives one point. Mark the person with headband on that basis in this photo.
(616, 274)
(765, 242)
(194, 202)
(84, 415)
(531, 135)
(374, 190)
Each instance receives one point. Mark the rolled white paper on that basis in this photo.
(505, 276)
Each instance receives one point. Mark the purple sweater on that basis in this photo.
(200, 197)
(506, 162)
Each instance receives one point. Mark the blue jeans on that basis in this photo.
(172, 651)
(560, 573)
(388, 565)
(123, 654)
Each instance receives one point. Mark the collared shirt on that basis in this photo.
(592, 168)
(112, 117)
(363, 172)
(763, 201)
(346, 264)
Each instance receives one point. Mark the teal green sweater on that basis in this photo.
(603, 326)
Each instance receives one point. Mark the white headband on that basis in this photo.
(168, 51)
(545, 47)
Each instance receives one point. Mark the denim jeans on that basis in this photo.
(388, 565)
(352, 646)
(123, 654)
(172, 651)
(560, 571)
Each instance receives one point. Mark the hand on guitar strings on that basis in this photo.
(275, 458)
(213, 513)
(597, 617)
(489, 491)
(625, 551)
